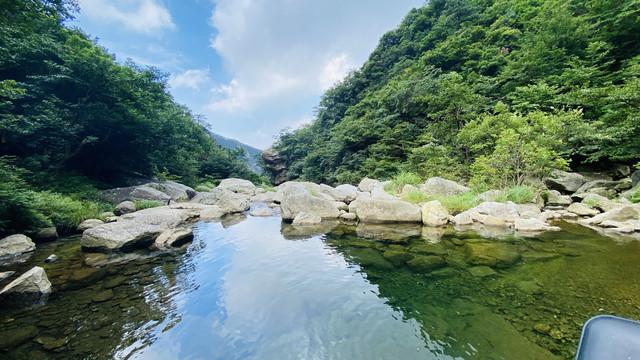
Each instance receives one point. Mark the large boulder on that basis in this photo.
(148, 193)
(232, 202)
(635, 178)
(276, 164)
(554, 198)
(125, 207)
(387, 210)
(15, 245)
(597, 184)
(176, 191)
(135, 230)
(32, 287)
(349, 192)
(492, 254)
(304, 218)
(506, 212)
(266, 197)
(434, 214)
(366, 184)
(439, 186)
(240, 186)
(563, 181)
(292, 205)
(205, 198)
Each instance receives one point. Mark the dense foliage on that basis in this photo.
(495, 91)
(67, 107)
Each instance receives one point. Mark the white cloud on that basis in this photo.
(282, 51)
(142, 16)
(190, 79)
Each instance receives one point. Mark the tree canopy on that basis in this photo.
(462, 85)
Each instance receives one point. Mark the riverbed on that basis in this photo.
(254, 288)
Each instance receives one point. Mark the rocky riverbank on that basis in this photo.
(308, 208)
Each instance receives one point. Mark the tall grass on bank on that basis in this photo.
(400, 180)
(455, 204)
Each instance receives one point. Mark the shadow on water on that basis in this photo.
(257, 288)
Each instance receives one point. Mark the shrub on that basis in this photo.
(455, 204)
(147, 204)
(401, 179)
(64, 212)
(520, 194)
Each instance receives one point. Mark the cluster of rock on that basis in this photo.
(601, 203)
(32, 287)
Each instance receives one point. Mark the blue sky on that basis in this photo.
(251, 67)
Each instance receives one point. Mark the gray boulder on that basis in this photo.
(621, 214)
(15, 245)
(606, 184)
(205, 197)
(635, 178)
(135, 230)
(176, 191)
(232, 202)
(349, 217)
(387, 210)
(125, 207)
(88, 224)
(563, 181)
(434, 214)
(212, 212)
(366, 184)
(240, 186)
(32, 287)
(440, 186)
(349, 192)
(292, 205)
(6, 274)
(506, 212)
(556, 199)
(581, 209)
(148, 193)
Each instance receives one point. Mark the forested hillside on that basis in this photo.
(495, 91)
(73, 119)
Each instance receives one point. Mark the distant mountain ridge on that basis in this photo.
(232, 144)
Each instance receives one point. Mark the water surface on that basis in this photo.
(243, 290)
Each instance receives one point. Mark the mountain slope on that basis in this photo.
(480, 89)
(250, 150)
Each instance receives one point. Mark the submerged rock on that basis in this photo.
(32, 287)
(46, 234)
(421, 263)
(491, 254)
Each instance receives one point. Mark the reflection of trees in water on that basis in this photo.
(98, 313)
(460, 310)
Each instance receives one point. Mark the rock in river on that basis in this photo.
(490, 254)
(294, 204)
(387, 210)
(14, 245)
(135, 230)
(30, 288)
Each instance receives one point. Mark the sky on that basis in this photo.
(251, 67)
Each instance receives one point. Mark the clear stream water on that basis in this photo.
(253, 288)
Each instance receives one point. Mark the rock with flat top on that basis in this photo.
(297, 203)
(533, 225)
(621, 214)
(304, 218)
(581, 209)
(88, 224)
(387, 210)
(262, 212)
